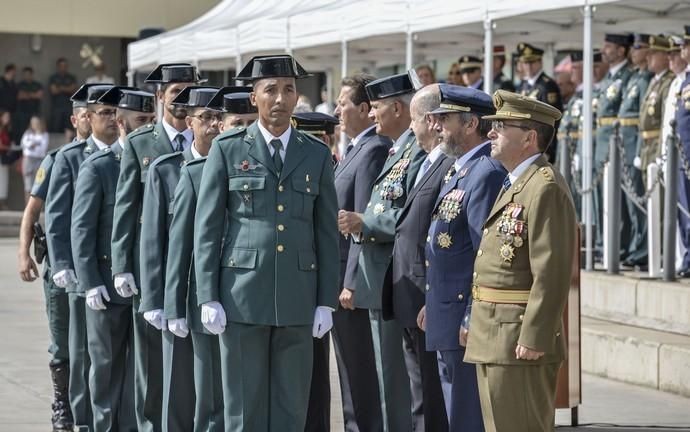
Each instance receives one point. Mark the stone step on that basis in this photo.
(651, 358)
(10, 221)
(632, 299)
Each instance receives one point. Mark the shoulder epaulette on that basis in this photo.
(547, 173)
(141, 130)
(197, 161)
(166, 157)
(236, 131)
(73, 145)
(99, 154)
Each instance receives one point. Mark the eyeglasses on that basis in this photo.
(454, 72)
(207, 116)
(499, 126)
(105, 113)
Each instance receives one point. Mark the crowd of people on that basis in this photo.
(197, 267)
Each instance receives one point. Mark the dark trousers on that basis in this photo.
(354, 351)
(208, 383)
(178, 383)
(428, 408)
(57, 310)
(319, 412)
(148, 372)
(79, 364)
(684, 221)
(465, 407)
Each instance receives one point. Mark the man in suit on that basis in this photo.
(375, 229)
(266, 229)
(406, 298)
(58, 222)
(522, 273)
(453, 238)
(57, 303)
(142, 147)
(355, 174)
(539, 85)
(108, 315)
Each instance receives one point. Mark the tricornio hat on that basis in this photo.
(195, 96)
(174, 73)
(129, 98)
(273, 66)
(232, 100)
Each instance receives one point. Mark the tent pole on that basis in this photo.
(238, 56)
(288, 47)
(408, 40)
(343, 73)
(587, 204)
(488, 54)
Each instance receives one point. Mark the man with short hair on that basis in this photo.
(406, 298)
(355, 174)
(471, 72)
(682, 117)
(267, 232)
(522, 273)
(236, 106)
(458, 212)
(29, 96)
(8, 89)
(61, 86)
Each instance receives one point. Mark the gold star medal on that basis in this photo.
(444, 240)
(507, 252)
(379, 208)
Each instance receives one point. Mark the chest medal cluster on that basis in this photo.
(450, 205)
(511, 230)
(392, 186)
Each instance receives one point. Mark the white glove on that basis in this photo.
(659, 162)
(178, 327)
(125, 285)
(213, 317)
(637, 162)
(95, 298)
(576, 162)
(65, 278)
(155, 318)
(323, 321)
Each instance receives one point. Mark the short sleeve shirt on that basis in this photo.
(42, 180)
(62, 99)
(29, 106)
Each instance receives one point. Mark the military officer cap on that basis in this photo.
(394, 85)
(659, 43)
(90, 93)
(528, 53)
(314, 123)
(232, 100)
(459, 99)
(622, 39)
(195, 96)
(578, 56)
(129, 98)
(641, 40)
(469, 63)
(675, 42)
(271, 66)
(499, 51)
(512, 106)
(686, 35)
(174, 73)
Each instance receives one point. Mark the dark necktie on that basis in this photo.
(179, 142)
(277, 160)
(348, 150)
(506, 183)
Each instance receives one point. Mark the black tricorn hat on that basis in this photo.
(622, 39)
(390, 86)
(129, 98)
(174, 73)
(578, 56)
(314, 123)
(89, 94)
(232, 100)
(195, 96)
(271, 66)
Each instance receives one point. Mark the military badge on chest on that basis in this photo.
(651, 103)
(511, 230)
(392, 186)
(450, 205)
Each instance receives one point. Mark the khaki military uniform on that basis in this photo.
(651, 112)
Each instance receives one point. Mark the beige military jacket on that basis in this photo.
(527, 244)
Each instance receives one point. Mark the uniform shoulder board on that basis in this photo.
(100, 153)
(547, 173)
(54, 151)
(236, 131)
(141, 130)
(72, 145)
(168, 157)
(197, 161)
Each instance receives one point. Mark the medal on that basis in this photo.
(444, 240)
(379, 208)
(507, 253)
(146, 161)
(517, 241)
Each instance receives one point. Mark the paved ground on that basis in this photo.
(25, 392)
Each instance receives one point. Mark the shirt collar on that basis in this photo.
(460, 162)
(532, 80)
(434, 154)
(268, 137)
(613, 70)
(172, 132)
(401, 139)
(359, 137)
(195, 153)
(521, 168)
(658, 76)
(475, 85)
(100, 144)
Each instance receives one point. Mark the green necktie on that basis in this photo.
(277, 160)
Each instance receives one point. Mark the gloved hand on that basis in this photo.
(155, 318)
(213, 317)
(125, 285)
(576, 162)
(637, 162)
(65, 278)
(178, 327)
(95, 298)
(323, 321)
(660, 162)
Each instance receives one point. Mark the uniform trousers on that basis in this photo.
(148, 371)
(208, 383)
(266, 377)
(465, 408)
(319, 412)
(57, 310)
(111, 380)
(178, 383)
(79, 364)
(518, 398)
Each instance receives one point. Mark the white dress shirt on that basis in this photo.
(34, 145)
(188, 135)
(100, 144)
(431, 157)
(521, 168)
(268, 137)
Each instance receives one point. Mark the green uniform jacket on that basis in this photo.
(380, 218)
(608, 105)
(651, 113)
(141, 148)
(180, 282)
(542, 263)
(276, 257)
(59, 203)
(92, 221)
(164, 173)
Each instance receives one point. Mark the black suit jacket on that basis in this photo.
(406, 296)
(354, 179)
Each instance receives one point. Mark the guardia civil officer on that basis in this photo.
(266, 229)
(236, 108)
